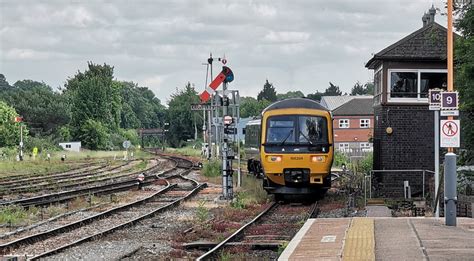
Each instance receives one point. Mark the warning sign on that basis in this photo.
(450, 137)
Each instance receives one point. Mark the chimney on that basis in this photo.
(429, 17)
(432, 14)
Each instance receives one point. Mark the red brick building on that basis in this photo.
(353, 122)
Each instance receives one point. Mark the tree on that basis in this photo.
(94, 95)
(42, 109)
(3, 82)
(290, 94)
(180, 116)
(93, 135)
(315, 96)
(358, 89)
(332, 90)
(366, 89)
(369, 87)
(9, 130)
(250, 107)
(140, 107)
(268, 93)
(464, 77)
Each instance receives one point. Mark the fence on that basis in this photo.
(390, 183)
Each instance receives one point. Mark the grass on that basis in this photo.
(186, 151)
(41, 166)
(17, 215)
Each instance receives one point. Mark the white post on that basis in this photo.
(21, 141)
(436, 155)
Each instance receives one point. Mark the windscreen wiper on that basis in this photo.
(310, 142)
(287, 136)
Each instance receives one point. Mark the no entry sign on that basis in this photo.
(450, 137)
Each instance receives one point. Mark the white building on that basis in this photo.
(71, 146)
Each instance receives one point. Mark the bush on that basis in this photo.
(42, 143)
(340, 159)
(93, 135)
(212, 168)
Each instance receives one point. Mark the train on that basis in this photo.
(291, 147)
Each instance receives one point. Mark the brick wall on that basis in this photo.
(354, 133)
(410, 146)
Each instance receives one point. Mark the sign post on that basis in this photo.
(435, 105)
(126, 144)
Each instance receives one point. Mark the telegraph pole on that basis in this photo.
(450, 179)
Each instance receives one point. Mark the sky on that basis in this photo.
(296, 45)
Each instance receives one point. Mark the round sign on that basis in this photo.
(227, 120)
(21, 143)
(450, 128)
(126, 144)
(141, 177)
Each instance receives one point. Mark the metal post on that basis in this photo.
(21, 142)
(209, 132)
(423, 184)
(450, 193)
(239, 176)
(436, 155)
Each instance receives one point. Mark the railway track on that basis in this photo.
(112, 184)
(161, 198)
(267, 232)
(58, 181)
(10, 178)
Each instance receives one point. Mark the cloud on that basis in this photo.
(162, 44)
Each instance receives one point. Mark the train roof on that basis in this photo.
(300, 103)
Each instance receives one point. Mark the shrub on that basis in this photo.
(340, 159)
(212, 168)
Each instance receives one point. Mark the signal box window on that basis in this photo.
(404, 84)
(365, 123)
(432, 81)
(344, 123)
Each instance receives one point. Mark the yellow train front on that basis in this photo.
(296, 148)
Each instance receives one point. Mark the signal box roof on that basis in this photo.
(300, 103)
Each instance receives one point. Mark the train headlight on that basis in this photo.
(274, 158)
(318, 158)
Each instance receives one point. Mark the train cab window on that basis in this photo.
(311, 129)
(281, 129)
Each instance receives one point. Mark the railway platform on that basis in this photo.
(382, 238)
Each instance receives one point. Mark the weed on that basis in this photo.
(12, 215)
(225, 256)
(54, 211)
(239, 201)
(282, 247)
(212, 168)
(202, 212)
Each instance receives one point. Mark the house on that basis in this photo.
(71, 146)
(353, 119)
(403, 127)
(353, 125)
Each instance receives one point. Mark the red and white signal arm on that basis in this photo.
(18, 119)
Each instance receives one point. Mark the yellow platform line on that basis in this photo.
(359, 243)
